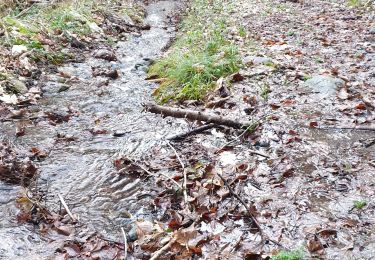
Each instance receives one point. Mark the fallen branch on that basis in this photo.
(66, 207)
(184, 172)
(194, 115)
(125, 243)
(158, 253)
(191, 132)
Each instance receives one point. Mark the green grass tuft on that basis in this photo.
(200, 56)
(359, 204)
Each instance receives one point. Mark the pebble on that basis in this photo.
(19, 86)
(325, 84)
(257, 60)
(105, 55)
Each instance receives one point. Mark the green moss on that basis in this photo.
(289, 255)
(356, 3)
(201, 54)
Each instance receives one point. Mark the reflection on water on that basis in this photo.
(82, 170)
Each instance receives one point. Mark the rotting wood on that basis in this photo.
(194, 115)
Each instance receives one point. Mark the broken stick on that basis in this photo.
(66, 207)
(158, 253)
(184, 172)
(194, 115)
(125, 243)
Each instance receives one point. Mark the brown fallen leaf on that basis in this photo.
(63, 230)
(314, 245)
(361, 106)
(185, 236)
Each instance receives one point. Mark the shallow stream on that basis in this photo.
(82, 170)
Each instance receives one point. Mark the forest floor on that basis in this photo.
(299, 185)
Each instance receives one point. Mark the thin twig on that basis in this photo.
(66, 207)
(184, 172)
(158, 253)
(258, 153)
(192, 132)
(253, 218)
(237, 138)
(125, 243)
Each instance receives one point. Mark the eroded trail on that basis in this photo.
(93, 123)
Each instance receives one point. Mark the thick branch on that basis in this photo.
(194, 115)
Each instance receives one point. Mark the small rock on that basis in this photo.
(132, 234)
(105, 55)
(19, 86)
(9, 99)
(75, 43)
(324, 84)
(256, 60)
(35, 90)
(18, 50)
(119, 133)
(101, 82)
(94, 27)
(113, 74)
(372, 30)
(64, 87)
(109, 72)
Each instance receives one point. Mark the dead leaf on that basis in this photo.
(361, 106)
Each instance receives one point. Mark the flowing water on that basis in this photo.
(82, 170)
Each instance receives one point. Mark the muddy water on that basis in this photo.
(82, 170)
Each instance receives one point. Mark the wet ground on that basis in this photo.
(104, 121)
(303, 193)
